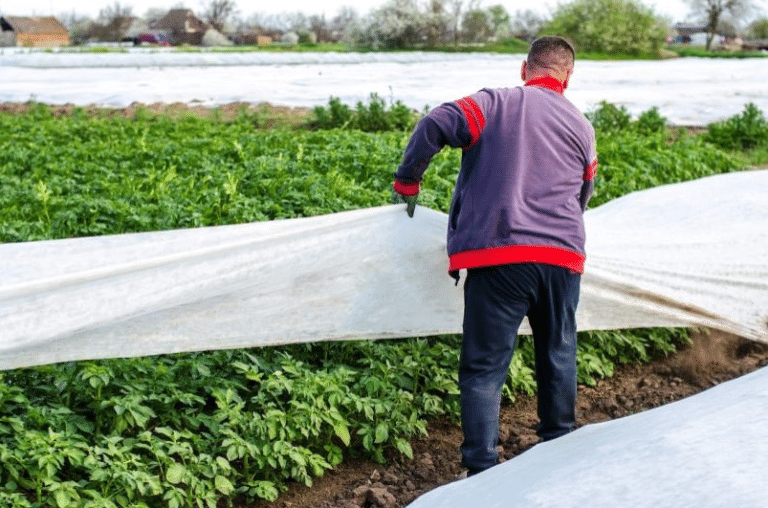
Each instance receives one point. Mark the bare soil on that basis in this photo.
(265, 115)
(713, 358)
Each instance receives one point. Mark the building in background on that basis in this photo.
(182, 27)
(33, 32)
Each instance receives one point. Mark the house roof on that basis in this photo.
(43, 25)
(176, 19)
(690, 27)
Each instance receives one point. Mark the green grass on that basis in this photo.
(275, 47)
(701, 52)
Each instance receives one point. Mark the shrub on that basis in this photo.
(336, 115)
(608, 26)
(374, 116)
(741, 132)
(651, 121)
(608, 117)
(759, 29)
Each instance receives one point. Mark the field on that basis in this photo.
(237, 427)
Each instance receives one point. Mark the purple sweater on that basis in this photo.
(526, 175)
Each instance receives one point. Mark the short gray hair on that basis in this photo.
(551, 52)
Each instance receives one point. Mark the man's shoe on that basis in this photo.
(467, 473)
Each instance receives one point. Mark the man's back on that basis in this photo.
(521, 180)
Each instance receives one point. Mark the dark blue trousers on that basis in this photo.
(496, 299)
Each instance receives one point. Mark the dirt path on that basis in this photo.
(713, 358)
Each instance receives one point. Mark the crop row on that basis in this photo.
(206, 428)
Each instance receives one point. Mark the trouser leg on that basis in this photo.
(495, 303)
(553, 321)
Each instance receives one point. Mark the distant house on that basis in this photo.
(37, 32)
(687, 32)
(255, 37)
(182, 26)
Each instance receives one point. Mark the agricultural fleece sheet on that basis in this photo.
(687, 254)
(706, 451)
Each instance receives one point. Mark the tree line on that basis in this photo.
(608, 26)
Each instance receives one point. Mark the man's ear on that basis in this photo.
(567, 77)
(522, 71)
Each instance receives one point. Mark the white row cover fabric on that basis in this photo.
(723, 86)
(688, 254)
(706, 451)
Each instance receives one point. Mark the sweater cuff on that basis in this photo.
(406, 189)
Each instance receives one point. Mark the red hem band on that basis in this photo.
(494, 256)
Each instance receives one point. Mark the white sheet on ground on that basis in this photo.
(706, 451)
(688, 254)
(722, 86)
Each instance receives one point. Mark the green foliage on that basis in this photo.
(375, 116)
(600, 351)
(189, 430)
(608, 118)
(650, 122)
(608, 26)
(758, 29)
(640, 154)
(79, 176)
(746, 131)
(208, 429)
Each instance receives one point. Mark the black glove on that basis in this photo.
(408, 200)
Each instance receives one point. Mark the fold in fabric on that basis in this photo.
(690, 254)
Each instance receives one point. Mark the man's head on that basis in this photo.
(549, 56)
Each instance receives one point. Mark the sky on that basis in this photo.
(678, 10)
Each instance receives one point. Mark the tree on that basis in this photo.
(499, 20)
(456, 6)
(218, 12)
(397, 24)
(758, 29)
(320, 27)
(439, 22)
(608, 26)
(345, 24)
(113, 12)
(295, 21)
(527, 24)
(113, 21)
(727, 28)
(76, 25)
(476, 25)
(713, 10)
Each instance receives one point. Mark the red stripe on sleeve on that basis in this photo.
(494, 256)
(474, 116)
(591, 171)
(479, 116)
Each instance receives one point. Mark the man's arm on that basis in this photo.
(456, 124)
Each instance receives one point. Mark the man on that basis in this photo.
(516, 225)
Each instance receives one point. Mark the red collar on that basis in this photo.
(547, 82)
